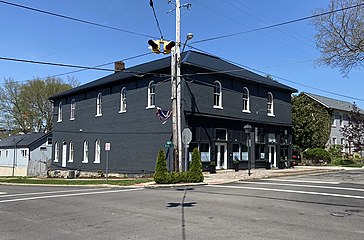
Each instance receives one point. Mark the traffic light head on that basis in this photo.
(167, 47)
(155, 45)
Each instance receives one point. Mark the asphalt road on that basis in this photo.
(321, 206)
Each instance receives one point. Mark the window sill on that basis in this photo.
(59, 120)
(96, 162)
(122, 111)
(72, 119)
(98, 115)
(246, 111)
(271, 115)
(217, 107)
(84, 162)
(150, 107)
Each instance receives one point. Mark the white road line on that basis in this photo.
(69, 195)
(38, 193)
(289, 191)
(303, 185)
(2, 193)
(300, 181)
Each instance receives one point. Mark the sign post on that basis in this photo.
(107, 149)
(186, 139)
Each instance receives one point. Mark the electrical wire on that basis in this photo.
(75, 19)
(278, 24)
(151, 4)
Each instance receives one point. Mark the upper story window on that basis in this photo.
(151, 95)
(99, 105)
(270, 104)
(333, 121)
(59, 112)
(341, 121)
(24, 153)
(217, 95)
(56, 152)
(73, 108)
(123, 100)
(246, 105)
(71, 152)
(85, 152)
(97, 151)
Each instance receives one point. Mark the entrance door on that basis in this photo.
(221, 155)
(272, 155)
(64, 154)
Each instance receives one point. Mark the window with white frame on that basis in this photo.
(333, 122)
(151, 95)
(246, 105)
(123, 100)
(59, 112)
(217, 95)
(73, 108)
(71, 152)
(85, 152)
(99, 105)
(270, 104)
(56, 152)
(24, 153)
(97, 151)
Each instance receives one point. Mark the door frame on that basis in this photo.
(218, 153)
(272, 156)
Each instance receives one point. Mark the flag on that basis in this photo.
(163, 115)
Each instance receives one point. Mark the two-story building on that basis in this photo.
(218, 100)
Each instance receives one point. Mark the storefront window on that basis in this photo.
(259, 152)
(205, 152)
(244, 152)
(236, 152)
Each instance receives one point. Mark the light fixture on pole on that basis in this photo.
(247, 129)
(188, 38)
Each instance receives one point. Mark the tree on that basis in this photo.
(340, 35)
(354, 131)
(25, 107)
(311, 123)
(195, 171)
(161, 172)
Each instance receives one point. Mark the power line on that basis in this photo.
(75, 19)
(155, 17)
(278, 24)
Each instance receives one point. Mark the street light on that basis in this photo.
(247, 129)
(188, 38)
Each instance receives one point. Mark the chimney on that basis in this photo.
(119, 66)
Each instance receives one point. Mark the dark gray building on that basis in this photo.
(218, 100)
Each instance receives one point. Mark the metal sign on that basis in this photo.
(186, 136)
(169, 144)
(107, 146)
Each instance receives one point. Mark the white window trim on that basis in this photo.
(73, 108)
(85, 153)
(59, 118)
(71, 152)
(150, 94)
(272, 106)
(98, 105)
(219, 102)
(97, 151)
(341, 121)
(56, 152)
(248, 101)
(123, 100)
(333, 119)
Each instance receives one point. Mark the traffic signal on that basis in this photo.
(155, 45)
(167, 46)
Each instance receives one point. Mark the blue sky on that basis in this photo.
(287, 52)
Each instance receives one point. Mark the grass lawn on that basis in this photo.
(60, 181)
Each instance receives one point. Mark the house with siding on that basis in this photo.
(340, 116)
(25, 155)
(218, 100)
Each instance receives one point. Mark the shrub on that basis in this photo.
(336, 151)
(317, 155)
(161, 172)
(195, 172)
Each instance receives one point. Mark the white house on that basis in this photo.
(25, 155)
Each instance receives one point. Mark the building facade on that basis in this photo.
(217, 100)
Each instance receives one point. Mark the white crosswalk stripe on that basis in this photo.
(300, 181)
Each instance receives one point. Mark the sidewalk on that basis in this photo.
(228, 176)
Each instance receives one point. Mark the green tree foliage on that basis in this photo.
(24, 107)
(354, 131)
(311, 123)
(340, 35)
(161, 172)
(317, 155)
(195, 171)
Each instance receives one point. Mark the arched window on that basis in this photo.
(97, 151)
(217, 95)
(99, 105)
(246, 105)
(151, 95)
(85, 152)
(73, 108)
(71, 152)
(270, 104)
(56, 152)
(123, 100)
(59, 112)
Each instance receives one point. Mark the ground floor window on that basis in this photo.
(259, 151)
(205, 152)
